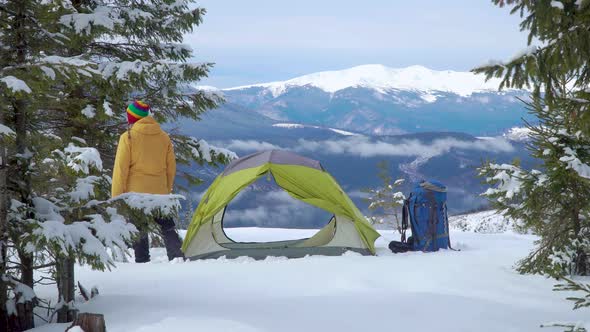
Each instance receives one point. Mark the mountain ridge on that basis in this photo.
(383, 79)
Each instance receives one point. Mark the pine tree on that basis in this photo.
(20, 38)
(4, 133)
(68, 69)
(580, 301)
(385, 202)
(554, 201)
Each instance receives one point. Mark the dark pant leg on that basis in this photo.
(171, 238)
(142, 248)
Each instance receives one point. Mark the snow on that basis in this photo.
(75, 61)
(509, 179)
(574, 163)
(288, 125)
(112, 234)
(488, 222)
(80, 159)
(45, 210)
(11, 307)
(557, 4)
(518, 134)
(209, 91)
(26, 292)
(300, 126)
(125, 69)
(207, 88)
(206, 150)
(76, 329)
(107, 108)
(4, 130)
(79, 140)
(15, 84)
(529, 50)
(343, 132)
(89, 111)
(68, 237)
(84, 189)
(82, 23)
(151, 203)
(429, 98)
(93, 237)
(382, 79)
(475, 289)
(121, 70)
(50, 73)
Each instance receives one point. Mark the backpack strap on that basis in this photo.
(432, 219)
(405, 213)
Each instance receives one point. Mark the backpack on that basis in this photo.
(425, 210)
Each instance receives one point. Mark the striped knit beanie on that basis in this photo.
(137, 110)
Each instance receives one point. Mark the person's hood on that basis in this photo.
(147, 126)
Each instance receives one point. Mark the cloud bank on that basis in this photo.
(250, 145)
(275, 209)
(365, 147)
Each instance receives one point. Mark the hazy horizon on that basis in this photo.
(263, 41)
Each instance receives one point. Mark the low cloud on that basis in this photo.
(364, 147)
(251, 145)
(358, 194)
(276, 209)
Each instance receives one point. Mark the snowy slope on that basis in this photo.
(482, 222)
(299, 126)
(518, 134)
(382, 78)
(475, 289)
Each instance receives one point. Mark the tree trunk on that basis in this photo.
(90, 323)
(26, 317)
(581, 260)
(66, 288)
(3, 225)
(25, 310)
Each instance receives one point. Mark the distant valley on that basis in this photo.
(358, 121)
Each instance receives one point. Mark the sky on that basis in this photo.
(268, 40)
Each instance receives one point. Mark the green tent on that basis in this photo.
(304, 179)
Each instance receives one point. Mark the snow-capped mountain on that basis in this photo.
(518, 134)
(383, 79)
(298, 125)
(451, 158)
(425, 123)
(377, 100)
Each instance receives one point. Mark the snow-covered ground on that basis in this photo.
(475, 289)
(482, 222)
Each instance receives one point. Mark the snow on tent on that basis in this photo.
(304, 179)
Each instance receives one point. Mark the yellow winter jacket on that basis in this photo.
(145, 161)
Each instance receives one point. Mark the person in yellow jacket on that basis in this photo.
(145, 163)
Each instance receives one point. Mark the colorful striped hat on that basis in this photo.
(137, 110)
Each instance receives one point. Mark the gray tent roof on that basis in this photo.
(279, 157)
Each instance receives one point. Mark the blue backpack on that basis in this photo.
(426, 212)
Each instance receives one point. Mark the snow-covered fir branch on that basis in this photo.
(151, 204)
